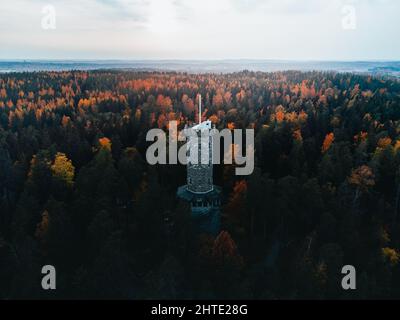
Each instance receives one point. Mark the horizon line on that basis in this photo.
(191, 60)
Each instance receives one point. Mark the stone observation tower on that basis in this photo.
(204, 197)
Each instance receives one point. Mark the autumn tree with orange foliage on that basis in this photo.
(223, 263)
(105, 143)
(235, 209)
(329, 138)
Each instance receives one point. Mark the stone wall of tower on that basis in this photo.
(200, 173)
(200, 178)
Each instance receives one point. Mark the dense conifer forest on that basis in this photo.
(76, 191)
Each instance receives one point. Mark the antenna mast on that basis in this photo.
(199, 108)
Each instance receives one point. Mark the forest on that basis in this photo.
(76, 191)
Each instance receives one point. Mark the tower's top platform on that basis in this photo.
(205, 125)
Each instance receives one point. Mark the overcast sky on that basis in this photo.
(201, 29)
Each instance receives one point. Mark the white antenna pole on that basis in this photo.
(199, 108)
